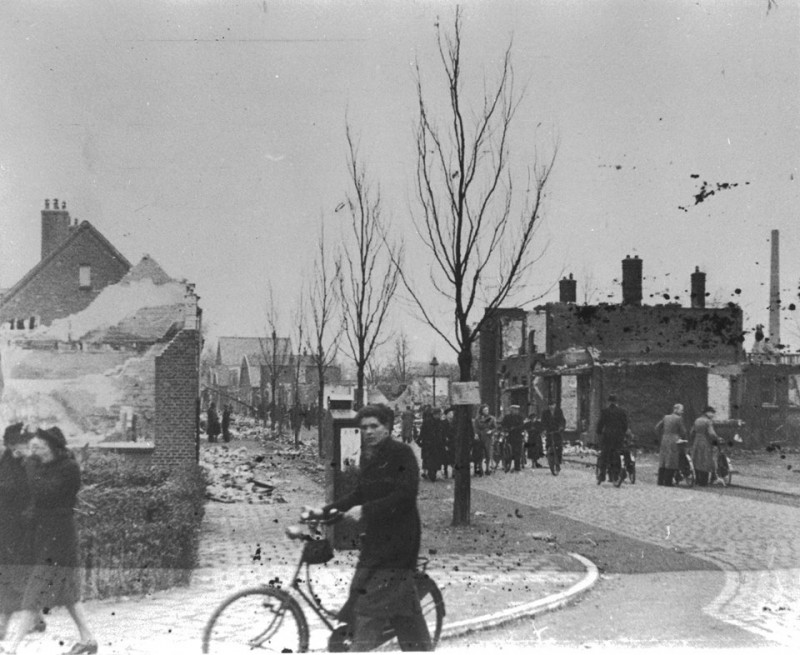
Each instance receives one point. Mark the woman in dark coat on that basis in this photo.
(432, 440)
(14, 500)
(212, 423)
(54, 479)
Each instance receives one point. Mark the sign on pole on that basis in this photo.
(464, 393)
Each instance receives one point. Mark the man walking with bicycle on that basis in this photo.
(554, 424)
(385, 500)
(611, 429)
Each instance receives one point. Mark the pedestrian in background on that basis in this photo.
(407, 425)
(554, 424)
(671, 430)
(533, 428)
(212, 423)
(485, 426)
(226, 424)
(449, 431)
(611, 429)
(432, 440)
(704, 438)
(54, 479)
(512, 424)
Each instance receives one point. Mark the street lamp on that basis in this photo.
(434, 364)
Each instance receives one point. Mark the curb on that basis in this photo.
(534, 608)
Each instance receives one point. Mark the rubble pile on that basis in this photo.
(242, 475)
(236, 475)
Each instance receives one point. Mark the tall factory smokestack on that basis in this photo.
(775, 291)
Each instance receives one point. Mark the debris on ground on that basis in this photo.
(257, 464)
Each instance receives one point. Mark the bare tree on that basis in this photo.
(475, 221)
(274, 353)
(401, 358)
(325, 327)
(298, 320)
(370, 268)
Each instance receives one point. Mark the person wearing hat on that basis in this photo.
(14, 500)
(611, 429)
(54, 479)
(703, 440)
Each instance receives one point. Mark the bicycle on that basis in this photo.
(553, 452)
(271, 617)
(722, 472)
(685, 472)
(502, 453)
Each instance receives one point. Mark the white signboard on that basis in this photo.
(465, 393)
(350, 448)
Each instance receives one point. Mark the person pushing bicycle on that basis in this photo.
(554, 424)
(385, 501)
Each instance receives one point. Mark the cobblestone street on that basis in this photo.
(754, 542)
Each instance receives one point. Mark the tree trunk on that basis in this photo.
(359, 388)
(320, 401)
(461, 488)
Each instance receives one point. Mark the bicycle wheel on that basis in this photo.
(619, 475)
(552, 462)
(724, 469)
(430, 597)
(687, 474)
(261, 617)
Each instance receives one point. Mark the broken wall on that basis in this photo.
(86, 392)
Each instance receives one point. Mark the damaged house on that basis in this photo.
(649, 356)
(121, 372)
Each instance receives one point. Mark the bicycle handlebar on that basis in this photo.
(308, 515)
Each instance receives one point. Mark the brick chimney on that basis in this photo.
(55, 226)
(632, 281)
(567, 289)
(698, 288)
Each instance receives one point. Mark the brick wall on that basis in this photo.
(648, 333)
(648, 392)
(55, 291)
(177, 393)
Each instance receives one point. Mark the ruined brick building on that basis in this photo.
(650, 356)
(110, 353)
(77, 263)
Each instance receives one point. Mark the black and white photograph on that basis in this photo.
(456, 325)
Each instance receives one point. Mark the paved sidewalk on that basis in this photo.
(244, 545)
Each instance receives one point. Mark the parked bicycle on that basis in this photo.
(722, 472)
(271, 617)
(685, 473)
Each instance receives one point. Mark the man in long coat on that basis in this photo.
(611, 429)
(512, 424)
(671, 430)
(704, 440)
(385, 500)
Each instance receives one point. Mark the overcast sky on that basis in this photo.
(211, 136)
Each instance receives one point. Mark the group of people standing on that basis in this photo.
(437, 435)
(39, 484)
(701, 440)
(215, 427)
